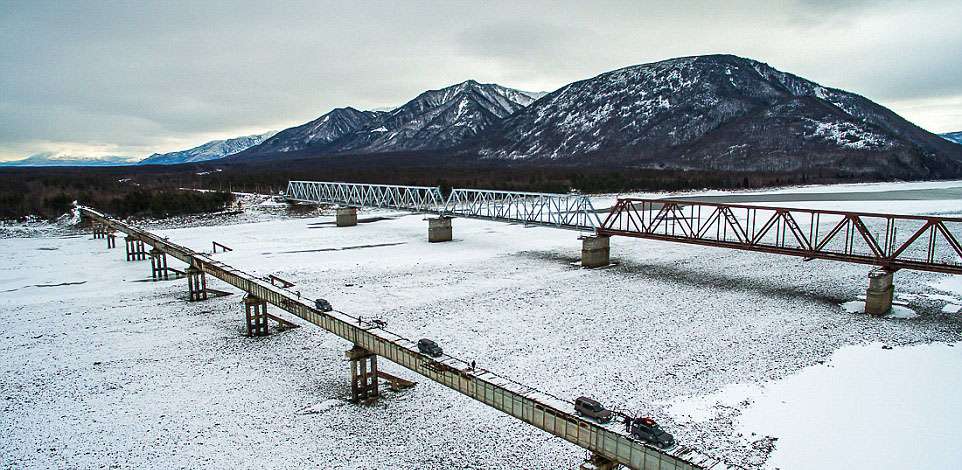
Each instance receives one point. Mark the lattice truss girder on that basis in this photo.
(414, 198)
(559, 210)
(926, 243)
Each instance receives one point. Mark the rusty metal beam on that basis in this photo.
(868, 238)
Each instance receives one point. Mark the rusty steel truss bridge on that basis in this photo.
(888, 241)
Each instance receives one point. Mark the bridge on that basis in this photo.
(568, 211)
(608, 445)
(888, 241)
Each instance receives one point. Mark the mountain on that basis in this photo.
(717, 112)
(435, 119)
(60, 159)
(953, 137)
(325, 132)
(212, 150)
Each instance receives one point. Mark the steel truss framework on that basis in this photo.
(890, 241)
(413, 198)
(570, 211)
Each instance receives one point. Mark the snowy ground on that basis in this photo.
(740, 354)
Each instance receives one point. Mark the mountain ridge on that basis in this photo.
(952, 137)
(716, 112)
(434, 119)
(213, 150)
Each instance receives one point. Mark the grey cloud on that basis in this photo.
(149, 75)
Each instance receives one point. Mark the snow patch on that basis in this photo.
(900, 312)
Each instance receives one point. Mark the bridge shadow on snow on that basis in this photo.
(827, 291)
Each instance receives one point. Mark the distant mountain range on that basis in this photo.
(212, 150)
(435, 119)
(953, 136)
(59, 159)
(713, 112)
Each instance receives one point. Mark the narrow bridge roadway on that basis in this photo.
(548, 413)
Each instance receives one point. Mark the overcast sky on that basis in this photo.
(132, 78)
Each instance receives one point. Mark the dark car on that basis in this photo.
(592, 409)
(323, 305)
(429, 347)
(646, 429)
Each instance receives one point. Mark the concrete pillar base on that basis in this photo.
(158, 264)
(363, 374)
(595, 251)
(439, 229)
(196, 284)
(346, 216)
(255, 310)
(878, 297)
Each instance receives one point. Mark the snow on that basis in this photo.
(898, 311)
(866, 408)
(102, 366)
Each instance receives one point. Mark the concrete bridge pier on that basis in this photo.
(595, 251)
(439, 229)
(111, 240)
(878, 297)
(363, 374)
(158, 264)
(346, 216)
(100, 231)
(196, 284)
(255, 309)
(598, 462)
(135, 248)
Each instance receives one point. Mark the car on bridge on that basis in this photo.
(323, 305)
(592, 409)
(646, 429)
(429, 347)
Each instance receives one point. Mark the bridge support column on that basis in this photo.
(439, 229)
(595, 251)
(363, 374)
(158, 264)
(878, 297)
(111, 240)
(255, 309)
(196, 284)
(346, 216)
(100, 231)
(135, 248)
(597, 462)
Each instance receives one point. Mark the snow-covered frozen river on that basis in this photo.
(750, 357)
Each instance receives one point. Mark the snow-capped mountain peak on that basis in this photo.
(714, 112)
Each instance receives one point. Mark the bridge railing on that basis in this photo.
(572, 211)
(544, 411)
(412, 198)
(924, 243)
